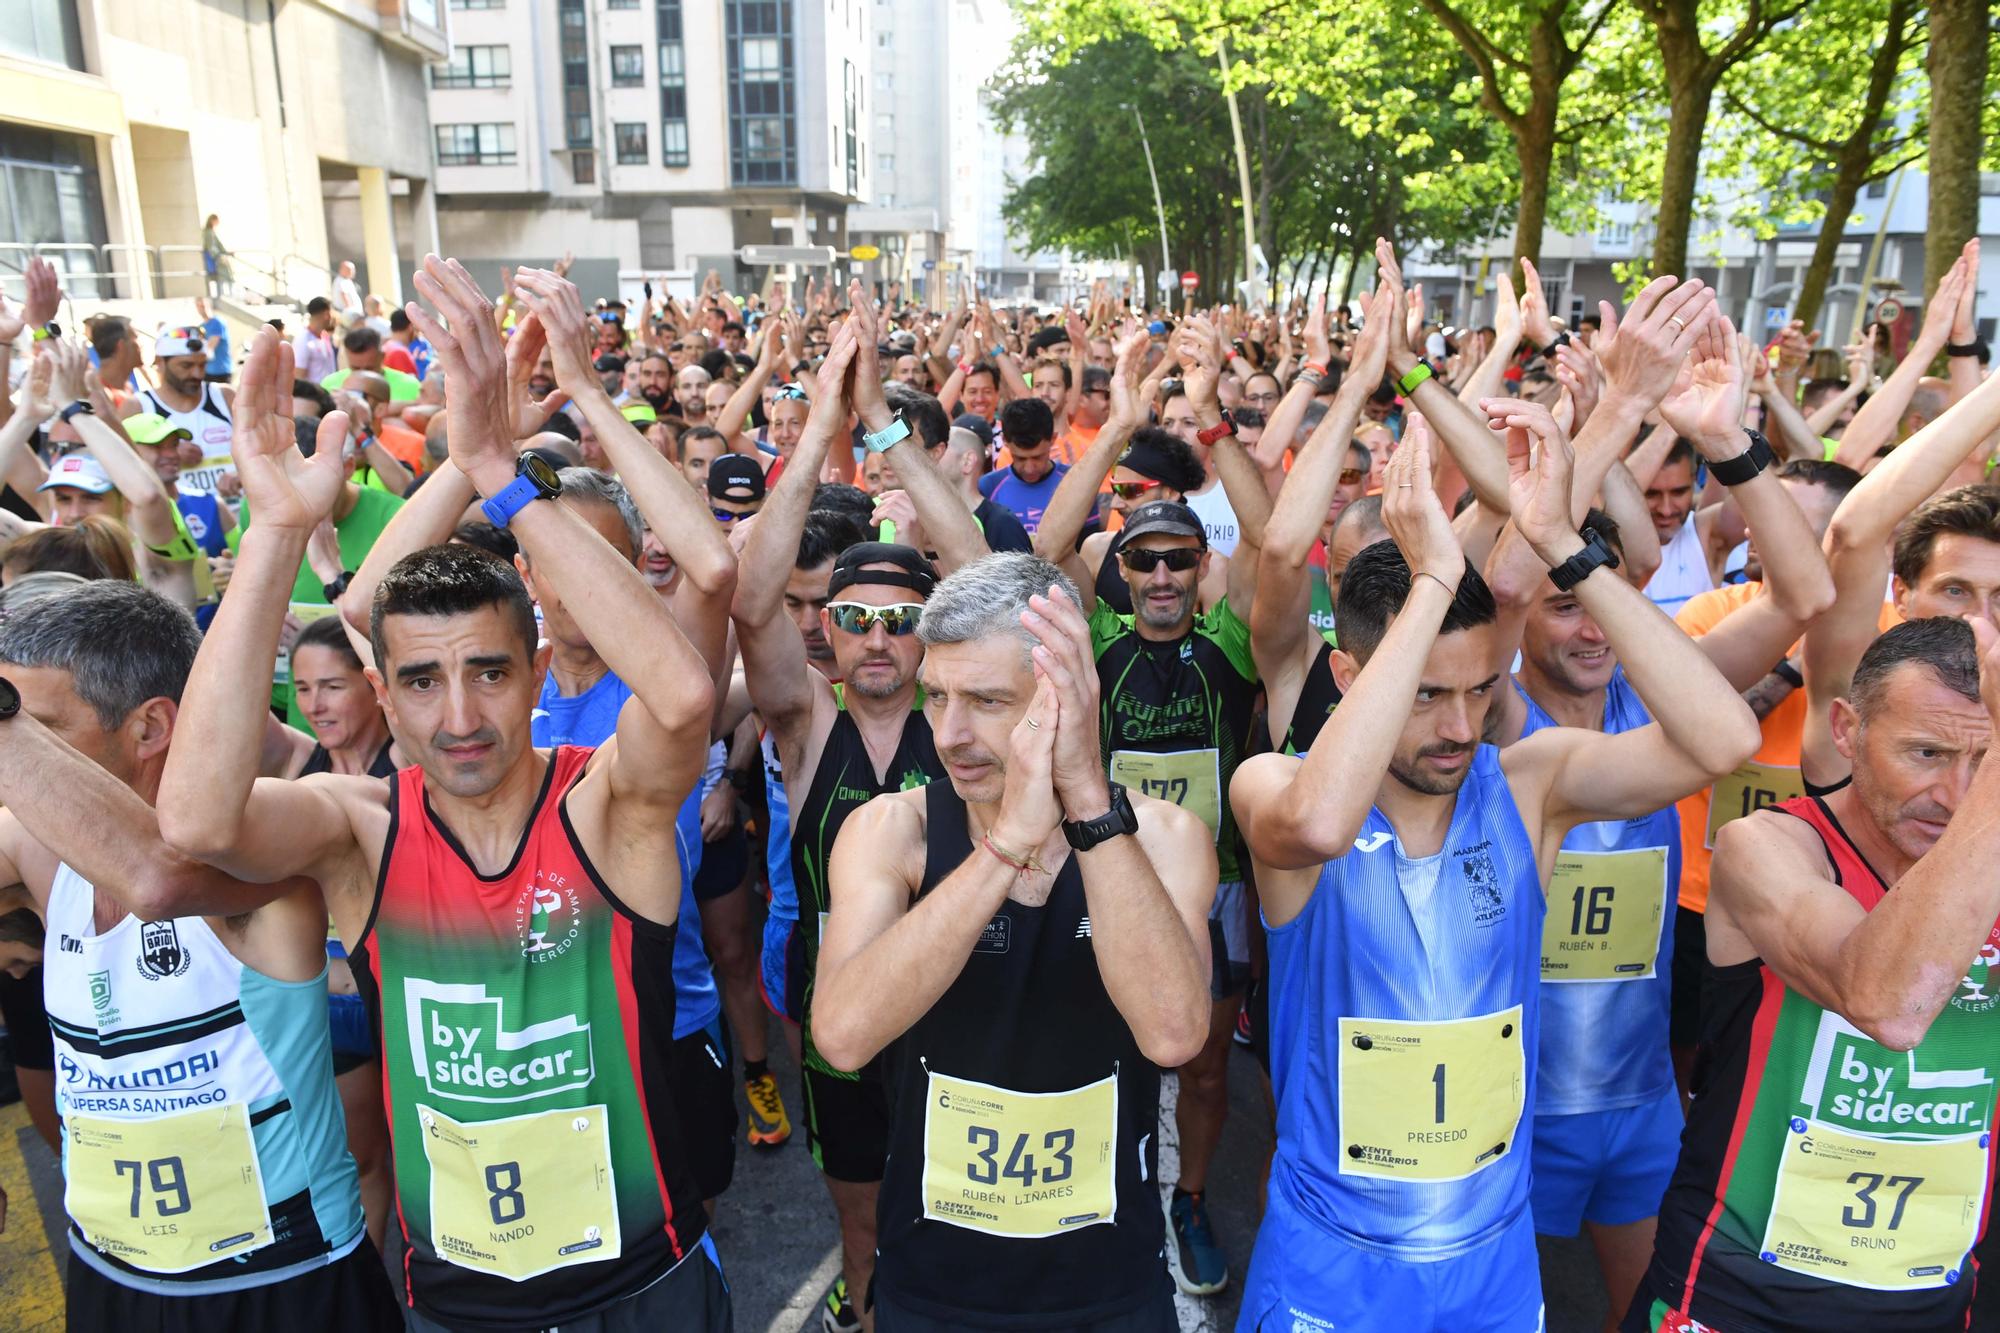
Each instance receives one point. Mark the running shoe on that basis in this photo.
(769, 1125)
(1194, 1258)
(838, 1315)
(1242, 1034)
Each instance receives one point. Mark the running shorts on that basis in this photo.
(1606, 1167)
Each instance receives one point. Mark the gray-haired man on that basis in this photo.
(971, 922)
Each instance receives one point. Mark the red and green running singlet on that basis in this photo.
(1825, 1180)
(526, 1021)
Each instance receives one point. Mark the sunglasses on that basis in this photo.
(1351, 476)
(1132, 490)
(725, 515)
(859, 617)
(1141, 561)
(791, 391)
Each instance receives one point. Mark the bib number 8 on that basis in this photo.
(503, 1187)
(168, 1176)
(985, 1169)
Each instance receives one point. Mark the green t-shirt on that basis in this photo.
(358, 532)
(403, 386)
(1177, 715)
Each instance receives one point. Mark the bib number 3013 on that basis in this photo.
(1888, 1214)
(1021, 1164)
(1430, 1101)
(522, 1196)
(171, 1194)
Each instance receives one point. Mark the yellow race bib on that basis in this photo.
(1887, 1214)
(170, 1194)
(1189, 778)
(1430, 1101)
(1604, 917)
(522, 1196)
(1021, 1164)
(1751, 787)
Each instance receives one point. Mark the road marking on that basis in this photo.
(1196, 1315)
(808, 1296)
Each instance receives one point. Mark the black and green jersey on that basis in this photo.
(844, 782)
(1177, 714)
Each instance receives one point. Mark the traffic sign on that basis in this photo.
(1189, 281)
(1889, 311)
(769, 256)
(1167, 280)
(929, 264)
(864, 253)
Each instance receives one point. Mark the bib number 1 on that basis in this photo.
(1430, 1101)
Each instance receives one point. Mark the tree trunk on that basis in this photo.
(1847, 184)
(1535, 147)
(1688, 103)
(1957, 62)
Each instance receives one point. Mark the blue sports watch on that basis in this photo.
(533, 480)
(878, 442)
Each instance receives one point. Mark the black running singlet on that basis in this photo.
(1020, 1187)
(1318, 694)
(844, 782)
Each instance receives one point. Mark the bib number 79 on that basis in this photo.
(168, 1178)
(985, 1168)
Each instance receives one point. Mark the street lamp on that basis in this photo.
(1159, 208)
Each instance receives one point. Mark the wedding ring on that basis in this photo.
(1679, 327)
(1034, 725)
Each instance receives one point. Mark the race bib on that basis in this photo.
(1430, 1101)
(1605, 911)
(1021, 1164)
(522, 1196)
(1189, 778)
(168, 1194)
(1886, 1214)
(1751, 787)
(305, 613)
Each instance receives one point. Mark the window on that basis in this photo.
(576, 75)
(621, 4)
(475, 67)
(44, 30)
(850, 83)
(475, 145)
(583, 167)
(49, 194)
(885, 162)
(762, 144)
(630, 137)
(1614, 233)
(673, 87)
(478, 4)
(628, 67)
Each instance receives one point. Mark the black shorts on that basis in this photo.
(1153, 1315)
(705, 1101)
(690, 1297)
(28, 1035)
(722, 865)
(847, 1123)
(1690, 965)
(351, 1295)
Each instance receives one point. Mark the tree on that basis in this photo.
(1958, 63)
(1828, 127)
(1693, 69)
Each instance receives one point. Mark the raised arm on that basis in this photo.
(212, 803)
(1875, 424)
(1491, 374)
(662, 495)
(1281, 428)
(19, 465)
(1467, 442)
(1242, 483)
(729, 421)
(949, 525)
(1963, 366)
(1076, 494)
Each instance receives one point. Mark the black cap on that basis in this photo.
(610, 361)
(735, 477)
(977, 424)
(912, 570)
(1165, 516)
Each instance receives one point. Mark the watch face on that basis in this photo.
(536, 469)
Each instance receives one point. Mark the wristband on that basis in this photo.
(1788, 673)
(1961, 349)
(1015, 859)
(1413, 377)
(1224, 427)
(48, 330)
(1561, 340)
(1746, 465)
(332, 591)
(77, 408)
(1316, 367)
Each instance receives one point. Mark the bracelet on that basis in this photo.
(1411, 379)
(1014, 859)
(1788, 673)
(1449, 591)
(1961, 349)
(1312, 377)
(1316, 367)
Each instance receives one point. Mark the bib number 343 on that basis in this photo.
(1021, 1164)
(1430, 1100)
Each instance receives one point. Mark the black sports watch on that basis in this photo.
(1596, 554)
(1119, 820)
(10, 699)
(1746, 465)
(80, 408)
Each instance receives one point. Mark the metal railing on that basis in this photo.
(117, 269)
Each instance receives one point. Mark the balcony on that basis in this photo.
(416, 26)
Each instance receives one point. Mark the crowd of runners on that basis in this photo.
(441, 753)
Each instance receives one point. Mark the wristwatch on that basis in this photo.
(48, 330)
(1084, 834)
(10, 699)
(1596, 554)
(1962, 349)
(1226, 426)
(880, 441)
(1560, 340)
(78, 408)
(534, 480)
(1746, 465)
(1413, 377)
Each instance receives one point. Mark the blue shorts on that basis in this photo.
(1305, 1280)
(781, 969)
(1607, 1167)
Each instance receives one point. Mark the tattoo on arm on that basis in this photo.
(1767, 694)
